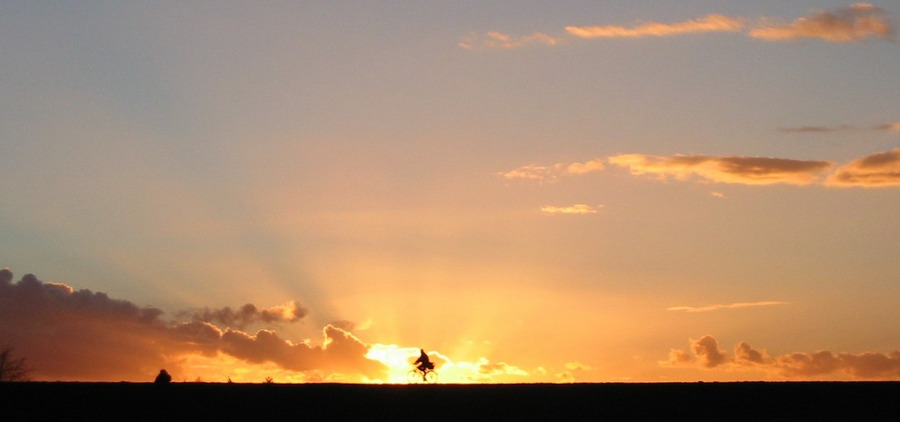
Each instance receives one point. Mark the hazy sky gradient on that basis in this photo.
(530, 191)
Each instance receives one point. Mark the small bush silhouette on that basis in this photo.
(163, 377)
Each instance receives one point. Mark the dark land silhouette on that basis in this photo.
(303, 402)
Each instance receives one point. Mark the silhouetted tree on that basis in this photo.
(163, 377)
(11, 368)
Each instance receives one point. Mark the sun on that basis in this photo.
(397, 359)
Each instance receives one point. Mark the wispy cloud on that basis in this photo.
(585, 167)
(818, 129)
(552, 173)
(732, 169)
(481, 371)
(728, 306)
(877, 170)
(571, 209)
(858, 22)
(495, 39)
(709, 23)
(532, 172)
(840, 128)
(872, 171)
(573, 372)
(706, 353)
(887, 126)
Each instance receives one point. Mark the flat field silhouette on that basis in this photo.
(304, 402)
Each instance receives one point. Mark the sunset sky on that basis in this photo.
(530, 191)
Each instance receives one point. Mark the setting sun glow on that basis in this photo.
(529, 191)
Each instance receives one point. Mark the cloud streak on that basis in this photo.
(738, 305)
(877, 170)
(572, 209)
(840, 128)
(819, 129)
(706, 353)
(499, 40)
(856, 23)
(552, 173)
(888, 126)
(709, 23)
(731, 169)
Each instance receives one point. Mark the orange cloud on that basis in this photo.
(585, 167)
(877, 170)
(532, 172)
(341, 352)
(858, 22)
(480, 371)
(705, 353)
(552, 173)
(574, 372)
(728, 306)
(64, 333)
(572, 209)
(499, 40)
(744, 353)
(709, 23)
(857, 366)
(499, 368)
(734, 169)
(888, 126)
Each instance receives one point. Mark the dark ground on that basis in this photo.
(301, 402)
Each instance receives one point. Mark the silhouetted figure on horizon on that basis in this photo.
(163, 377)
(424, 362)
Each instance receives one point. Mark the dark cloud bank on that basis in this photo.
(69, 334)
(706, 353)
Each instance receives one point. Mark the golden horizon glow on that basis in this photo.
(577, 192)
